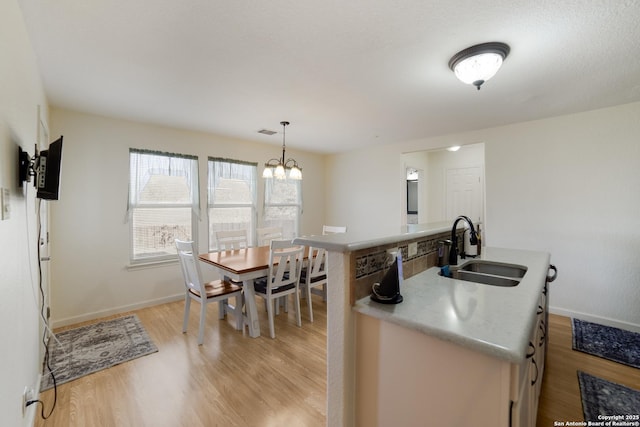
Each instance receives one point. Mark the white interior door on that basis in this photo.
(464, 193)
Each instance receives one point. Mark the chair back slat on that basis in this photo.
(190, 265)
(284, 258)
(317, 263)
(268, 234)
(232, 240)
(315, 275)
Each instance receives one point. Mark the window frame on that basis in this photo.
(298, 204)
(251, 232)
(193, 205)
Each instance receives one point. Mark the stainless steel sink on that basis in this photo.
(494, 268)
(489, 273)
(486, 279)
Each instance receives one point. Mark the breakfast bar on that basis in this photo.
(450, 345)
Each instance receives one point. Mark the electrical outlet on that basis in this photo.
(5, 205)
(412, 249)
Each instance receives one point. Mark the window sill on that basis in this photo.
(151, 264)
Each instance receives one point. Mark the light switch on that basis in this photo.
(5, 203)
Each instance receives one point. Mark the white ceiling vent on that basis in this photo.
(267, 132)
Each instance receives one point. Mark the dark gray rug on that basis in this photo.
(91, 348)
(601, 397)
(607, 342)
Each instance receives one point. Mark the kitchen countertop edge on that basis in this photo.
(354, 241)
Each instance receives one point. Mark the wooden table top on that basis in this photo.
(241, 260)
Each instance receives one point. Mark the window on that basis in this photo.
(163, 202)
(283, 205)
(232, 197)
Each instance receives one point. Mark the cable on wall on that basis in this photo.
(45, 321)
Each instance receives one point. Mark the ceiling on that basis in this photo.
(346, 74)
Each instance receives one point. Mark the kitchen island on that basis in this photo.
(381, 360)
(454, 352)
(494, 320)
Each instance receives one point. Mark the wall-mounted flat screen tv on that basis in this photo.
(48, 171)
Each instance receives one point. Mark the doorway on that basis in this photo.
(449, 183)
(415, 198)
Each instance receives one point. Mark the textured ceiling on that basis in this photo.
(346, 74)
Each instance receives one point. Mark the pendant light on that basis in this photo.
(477, 64)
(278, 168)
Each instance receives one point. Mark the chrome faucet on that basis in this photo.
(453, 254)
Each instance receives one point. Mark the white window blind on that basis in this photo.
(163, 202)
(232, 197)
(283, 206)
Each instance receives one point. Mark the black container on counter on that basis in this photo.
(444, 248)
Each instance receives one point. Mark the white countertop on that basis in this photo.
(490, 319)
(353, 241)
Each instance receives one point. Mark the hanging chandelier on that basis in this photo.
(279, 168)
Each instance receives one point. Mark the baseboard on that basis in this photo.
(595, 319)
(57, 323)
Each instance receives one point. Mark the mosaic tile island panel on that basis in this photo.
(370, 264)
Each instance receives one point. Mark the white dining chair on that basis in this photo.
(285, 265)
(314, 275)
(231, 240)
(333, 229)
(267, 234)
(215, 291)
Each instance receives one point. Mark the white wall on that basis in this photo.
(364, 188)
(569, 185)
(20, 94)
(90, 238)
(566, 185)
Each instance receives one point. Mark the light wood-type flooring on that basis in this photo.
(231, 380)
(560, 397)
(234, 380)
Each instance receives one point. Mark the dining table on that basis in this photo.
(244, 265)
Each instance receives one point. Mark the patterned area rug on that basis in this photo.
(607, 342)
(91, 348)
(601, 397)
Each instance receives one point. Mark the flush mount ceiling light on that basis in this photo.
(477, 64)
(278, 167)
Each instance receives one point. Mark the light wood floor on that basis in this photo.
(560, 396)
(233, 380)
